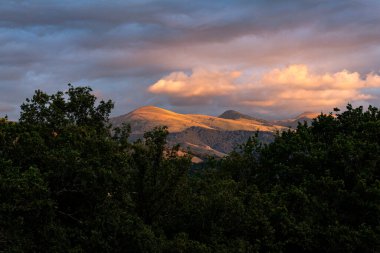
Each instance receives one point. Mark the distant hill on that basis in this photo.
(235, 115)
(303, 117)
(204, 135)
(202, 141)
(231, 114)
(145, 118)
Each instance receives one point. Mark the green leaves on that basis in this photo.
(70, 184)
(76, 106)
(26, 210)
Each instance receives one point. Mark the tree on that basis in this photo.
(71, 183)
(325, 177)
(63, 142)
(158, 173)
(55, 112)
(26, 210)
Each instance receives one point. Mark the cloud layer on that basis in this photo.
(123, 47)
(200, 83)
(287, 90)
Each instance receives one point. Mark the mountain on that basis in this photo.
(232, 114)
(145, 118)
(203, 142)
(307, 116)
(303, 117)
(204, 135)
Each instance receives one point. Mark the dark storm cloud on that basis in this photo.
(122, 47)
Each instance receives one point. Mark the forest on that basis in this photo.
(69, 182)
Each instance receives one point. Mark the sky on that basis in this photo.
(266, 58)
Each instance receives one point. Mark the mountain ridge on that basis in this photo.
(145, 118)
(204, 135)
(232, 114)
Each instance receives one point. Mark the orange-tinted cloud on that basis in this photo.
(299, 76)
(292, 89)
(200, 83)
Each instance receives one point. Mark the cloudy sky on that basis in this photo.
(270, 58)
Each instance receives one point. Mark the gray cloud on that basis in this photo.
(120, 48)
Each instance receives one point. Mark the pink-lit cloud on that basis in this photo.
(120, 49)
(200, 83)
(290, 89)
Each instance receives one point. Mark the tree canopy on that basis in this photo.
(69, 182)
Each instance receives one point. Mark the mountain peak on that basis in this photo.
(308, 115)
(232, 114)
(150, 109)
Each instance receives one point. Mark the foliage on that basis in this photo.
(71, 183)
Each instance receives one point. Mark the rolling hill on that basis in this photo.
(204, 135)
(145, 118)
(292, 123)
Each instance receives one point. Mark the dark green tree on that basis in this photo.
(81, 168)
(69, 182)
(158, 174)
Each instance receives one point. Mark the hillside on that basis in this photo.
(145, 118)
(204, 135)
(303, 117)
(203, 142)
(235, 115)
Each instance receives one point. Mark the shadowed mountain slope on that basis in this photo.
(145, 118)
(303, 117)
(205, 135)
